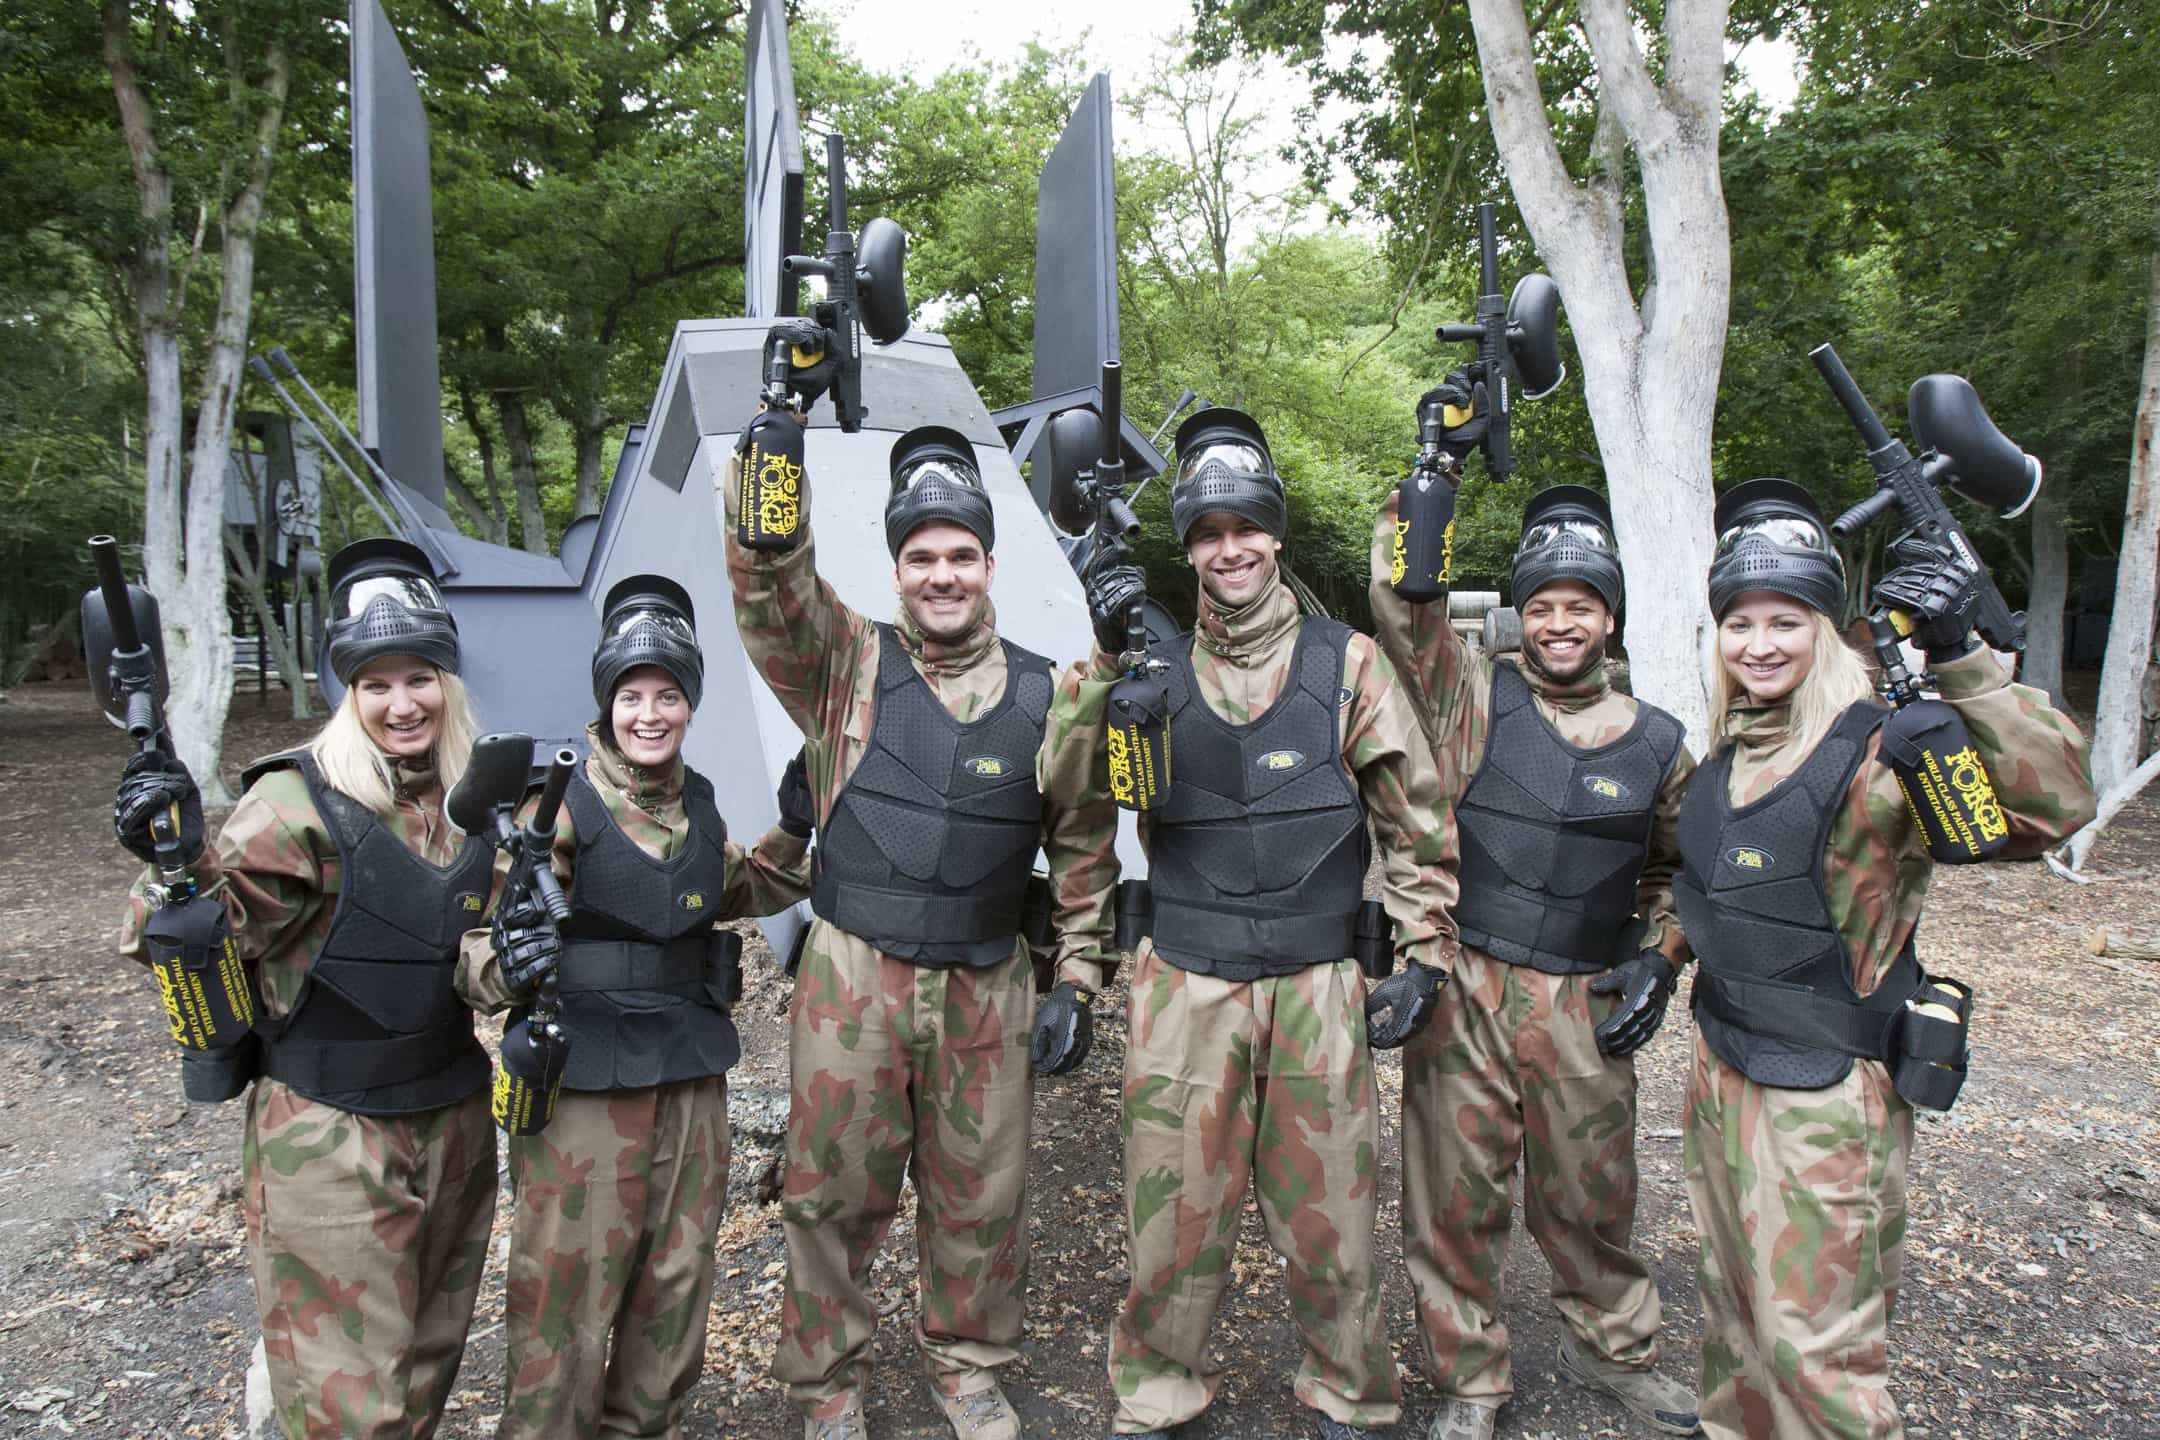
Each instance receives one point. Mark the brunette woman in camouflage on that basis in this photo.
(1247, 1063)
(940, 757)
(369, 1156)
(1802, 877)
(619, 1199)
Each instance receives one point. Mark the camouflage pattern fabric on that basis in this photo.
(896, 1069)
(1267, 1084)
(1799, 1196)
(619, 1200)
(611, 1260)
(1509, 1070)
(366, 1235)
(1272, 1080)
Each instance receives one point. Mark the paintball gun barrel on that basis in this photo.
(1518, 339)
(865, 292)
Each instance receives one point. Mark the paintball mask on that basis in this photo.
(1771, 536)
(647, 620)
(934, 479)
(384, 601)
(1567, 535)
(1224, 464)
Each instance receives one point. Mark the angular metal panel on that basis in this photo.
(772, 165)
(394, 260)
(1076, 252)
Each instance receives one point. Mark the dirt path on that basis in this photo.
(2032, 1289)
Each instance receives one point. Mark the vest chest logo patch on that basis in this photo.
(1343, 697)
(987, 767)
(471, 902)
(694, 900)
(1747, 857)
(1605, 787)
(1280, 760)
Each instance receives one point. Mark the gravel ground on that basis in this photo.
(2031, 1304)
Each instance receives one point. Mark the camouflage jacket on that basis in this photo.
(1877, 867)
(275, 868)
(821, 660)
(648, 806)
(1241, 660)
(1451, 685)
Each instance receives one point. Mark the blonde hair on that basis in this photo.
(355, 766)
(1836, 678)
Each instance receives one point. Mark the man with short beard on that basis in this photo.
(940, 756)
(1247, 1059)
(1568, 801)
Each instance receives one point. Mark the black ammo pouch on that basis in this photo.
(723, 969)
(1135, 914)
(211, 1077)
(1375, 945)
(1929, 1069)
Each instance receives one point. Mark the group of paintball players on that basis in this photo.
(1551, 857)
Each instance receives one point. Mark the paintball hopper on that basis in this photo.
(497, 775)
(1075, 445)
(114, 643)
(1533, 331)
(1986, 466)
(1087, 465)
(881, 275)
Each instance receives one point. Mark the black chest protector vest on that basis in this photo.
(1554, 836)
(645, 976)
(929, 846)
(1774, 994)
(1256, 862)
(378, 1028)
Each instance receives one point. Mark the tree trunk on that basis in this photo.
(591, 430)
(2043, 663)
(1650, 373)
(2130, 626)
(524, 474)
(277, 640)
(493, 525)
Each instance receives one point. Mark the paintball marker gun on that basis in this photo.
(1518, 339)
(865, 287)
(209, 1000)
(1926, 741)
(1087, 493)
(536, 1047)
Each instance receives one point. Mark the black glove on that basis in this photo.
(1455, 415)
(527, 945)
(151, 785)
(1064, 1029)
(805, 339)
(1937, 590)
(1111, 590)
(1402, 1004)
(798, 812)
(1643, 984)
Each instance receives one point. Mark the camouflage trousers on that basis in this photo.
(1268, 1083)
(1799, 1196)
(1509, 1073)
(897, 1070)
(611, 1260)
(367, 1236)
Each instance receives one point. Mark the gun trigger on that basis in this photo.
(1901, 622)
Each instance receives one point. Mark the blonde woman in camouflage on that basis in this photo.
(1803, 873)
(369, 1156)
(620, 1196)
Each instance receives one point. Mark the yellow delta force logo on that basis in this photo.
(1749, 858)
(695, 900)
(1604, 788)
(1399, 555)
(989, 767)
(1280, 760)
(776, 485)
(1121, 772)
(472, 902)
